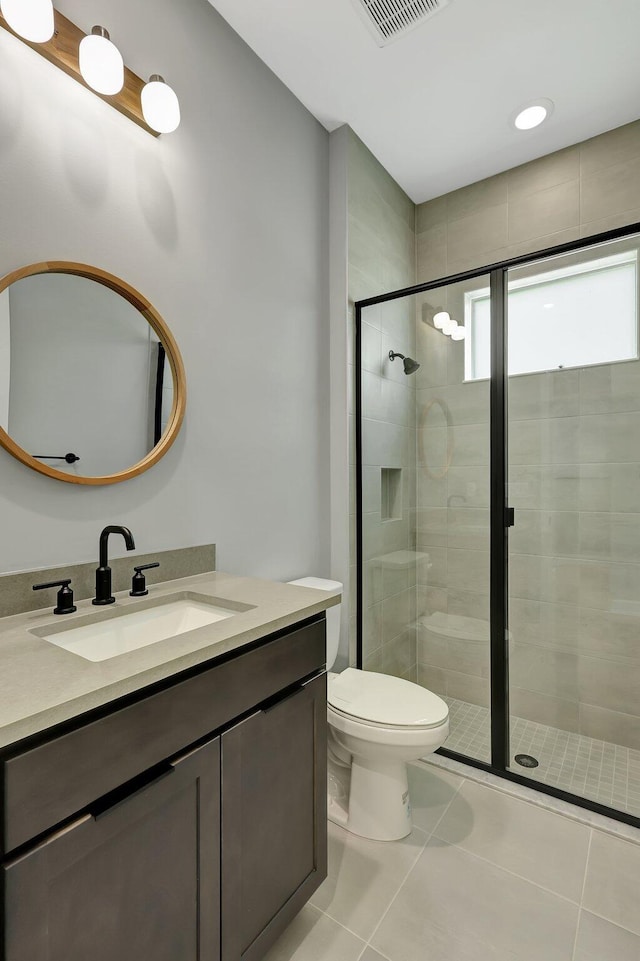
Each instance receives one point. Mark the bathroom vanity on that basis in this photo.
(176, 809)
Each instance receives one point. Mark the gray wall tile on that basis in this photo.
(614, 147)
(466, 687)
(476, 259)
(478, 233)
(477, 197)
(611, 190)
(432, 252)
(545, 671)
(382, 251)
(431, 213)
(535, 244)
(611, 726)
(608, 684)
(545, 212)
(555, 168)
(621, 219)
(554, 711)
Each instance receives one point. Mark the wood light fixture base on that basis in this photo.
(62, 50)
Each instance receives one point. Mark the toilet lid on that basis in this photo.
(383, 699)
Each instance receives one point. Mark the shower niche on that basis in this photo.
(391, 494)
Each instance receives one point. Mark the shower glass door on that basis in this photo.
(574, 552)
(424, 458)
(499, 512)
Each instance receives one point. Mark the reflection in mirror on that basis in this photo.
(81, 373)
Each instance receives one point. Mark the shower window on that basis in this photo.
(577, 315)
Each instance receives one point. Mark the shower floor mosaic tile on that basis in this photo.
(581, 765)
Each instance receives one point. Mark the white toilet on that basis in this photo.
(376, 724)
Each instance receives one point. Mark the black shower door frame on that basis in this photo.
(501, 515)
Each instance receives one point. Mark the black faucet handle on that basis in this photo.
(138, 582)
(65, 603)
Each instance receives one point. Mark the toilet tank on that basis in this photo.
(333, 613)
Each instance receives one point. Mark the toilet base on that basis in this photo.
(371, 799)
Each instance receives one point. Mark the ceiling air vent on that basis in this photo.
(390, 19)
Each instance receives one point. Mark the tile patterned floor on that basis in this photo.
(483, 877)
(594, 769)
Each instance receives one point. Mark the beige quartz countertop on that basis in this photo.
(42, 685)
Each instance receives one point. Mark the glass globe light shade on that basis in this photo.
(450, 327)
(459, 333)
(30, 19)
(101, 63)
(160, 105)
(440, 319)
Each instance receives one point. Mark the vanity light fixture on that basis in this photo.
(30, 19)
(533, 114)
(101, 63)
(449, 327)
(443, 321)
(94, 61)
(160, 105)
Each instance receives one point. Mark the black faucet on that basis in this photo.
(103, 572)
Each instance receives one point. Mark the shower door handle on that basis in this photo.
(510, 517)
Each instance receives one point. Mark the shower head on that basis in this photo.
(410, 365)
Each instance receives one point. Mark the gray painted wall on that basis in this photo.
(224, 227)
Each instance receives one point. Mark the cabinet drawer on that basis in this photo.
(51, 782)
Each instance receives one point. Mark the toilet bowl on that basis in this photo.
(377, 723)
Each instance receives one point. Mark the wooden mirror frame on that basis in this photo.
(156, 322)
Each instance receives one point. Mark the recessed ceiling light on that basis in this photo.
(532, 115)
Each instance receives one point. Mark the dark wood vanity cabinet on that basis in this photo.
(203, 855)
(138, 880)
(274, 815)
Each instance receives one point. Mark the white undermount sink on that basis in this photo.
(129, 630)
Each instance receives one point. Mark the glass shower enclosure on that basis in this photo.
(498, 488)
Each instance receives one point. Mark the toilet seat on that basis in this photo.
(384, 702)
(423, 739)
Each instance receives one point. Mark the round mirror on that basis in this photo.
(92, 385)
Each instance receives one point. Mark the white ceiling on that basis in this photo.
(434, 106)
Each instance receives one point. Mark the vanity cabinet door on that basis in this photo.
(274, 819)
(137, 880)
